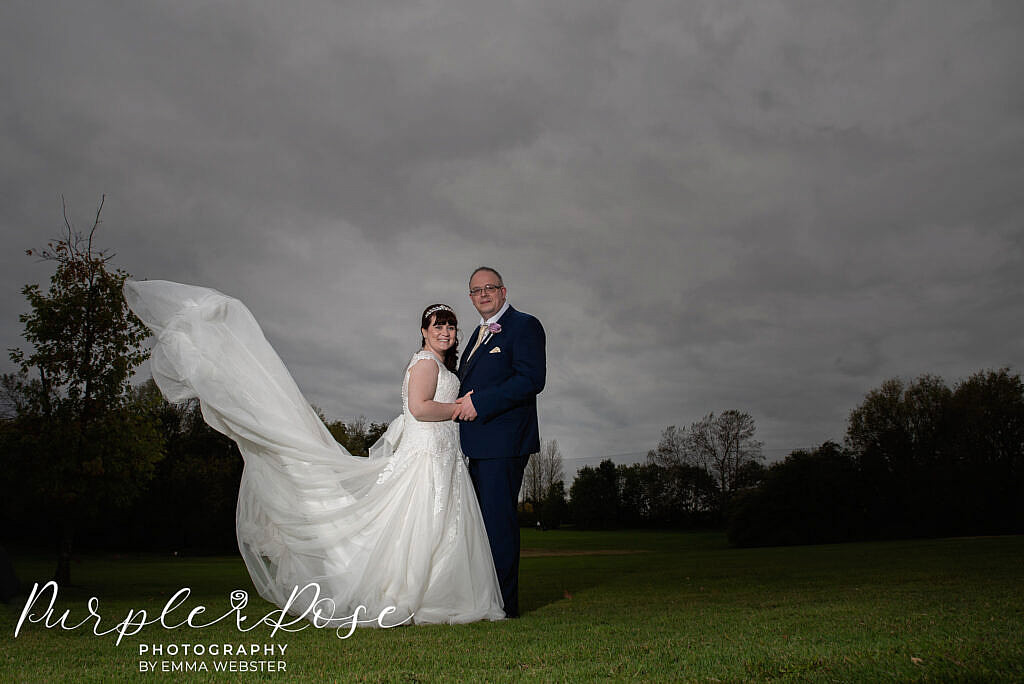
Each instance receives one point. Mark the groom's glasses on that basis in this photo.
(489, 289)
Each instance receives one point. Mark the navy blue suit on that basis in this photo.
(505, 374)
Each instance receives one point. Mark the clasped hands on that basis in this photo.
(464, 409)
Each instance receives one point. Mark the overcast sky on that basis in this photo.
(768, 206)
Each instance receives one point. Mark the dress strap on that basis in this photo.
(423, 354)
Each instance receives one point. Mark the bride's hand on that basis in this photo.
(464, 409)
(457, 407)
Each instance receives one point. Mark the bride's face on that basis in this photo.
(438, 337)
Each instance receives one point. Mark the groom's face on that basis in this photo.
(487, 302)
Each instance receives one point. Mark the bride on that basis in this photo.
(401, 529)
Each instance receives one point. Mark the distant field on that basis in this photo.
(597, 605)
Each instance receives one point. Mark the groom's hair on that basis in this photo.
(501, 281)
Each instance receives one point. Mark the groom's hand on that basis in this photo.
(464, 409)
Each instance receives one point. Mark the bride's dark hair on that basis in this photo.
(442, 313)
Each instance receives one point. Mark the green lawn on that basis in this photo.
(678, 606)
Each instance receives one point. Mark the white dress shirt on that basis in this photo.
(495, 317)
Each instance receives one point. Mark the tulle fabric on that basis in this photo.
(400, 530)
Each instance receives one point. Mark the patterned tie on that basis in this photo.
(479, 339)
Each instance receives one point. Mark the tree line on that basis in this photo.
(689, 480)
(919, 459)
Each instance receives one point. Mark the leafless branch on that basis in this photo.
(67, 221)
(96, 221)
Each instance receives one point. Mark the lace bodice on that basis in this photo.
(436, 440)
(435, 435)
(447, 382)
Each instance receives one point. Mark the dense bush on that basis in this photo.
(810, 498)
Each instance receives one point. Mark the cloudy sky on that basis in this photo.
(769, 206)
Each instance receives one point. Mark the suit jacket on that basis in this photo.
(506, 374)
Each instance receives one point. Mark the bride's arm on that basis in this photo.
(422, 385)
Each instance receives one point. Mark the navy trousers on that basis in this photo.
(497, 482)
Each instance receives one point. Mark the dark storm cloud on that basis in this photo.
(770, 206)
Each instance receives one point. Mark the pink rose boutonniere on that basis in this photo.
(492, 330)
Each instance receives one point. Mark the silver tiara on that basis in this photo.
(439, 307)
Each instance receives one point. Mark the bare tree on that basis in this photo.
(532, 489)
(723, 445)
(551, 460)
(542, 470)
(673, 449)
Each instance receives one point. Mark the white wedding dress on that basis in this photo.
(401, 529)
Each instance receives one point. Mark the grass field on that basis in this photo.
(652, 606)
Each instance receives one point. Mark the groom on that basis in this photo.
(502, 372)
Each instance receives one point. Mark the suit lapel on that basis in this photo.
(464, 366)
(483, 347)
